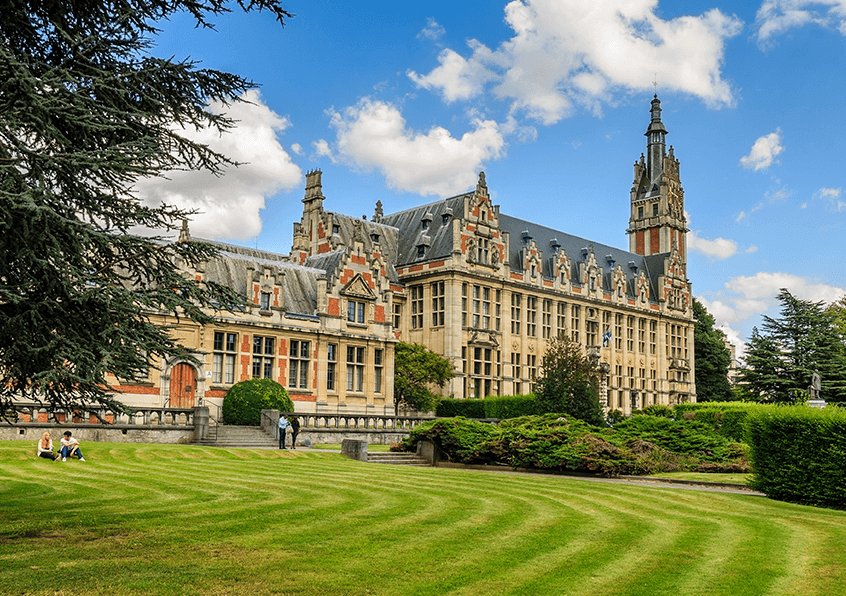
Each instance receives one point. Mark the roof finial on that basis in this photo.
(655, 83)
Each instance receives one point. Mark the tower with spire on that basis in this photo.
(657, 223)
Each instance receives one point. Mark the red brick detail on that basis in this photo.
(42, 416)
(631, 302)
(577, 290)
(639, 242)
(436, 264)
(548, 283)
(323, 248)
(28, 418)
(379, 316)
(283, 346)
(245, 367)
(358, 259)
(369, 279)
(276, 297)
(321, 233)
(302, 397)
(414, 268)
(255, 293)
(471, 227)
(606, 296)
(654, 307)
(138, 389)
(655, 242)
(198, 277)
(397, 289)
(215, 393)
(334, 308)
(516, 276)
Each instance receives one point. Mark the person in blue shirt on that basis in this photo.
(283, 430)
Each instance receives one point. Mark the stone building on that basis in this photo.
(484, 289)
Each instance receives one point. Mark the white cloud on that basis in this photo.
(835, 203)
(229, 206)
(719, 248)
(432, 30)
(744, 214)
(763, 152)
(777, 16)
(570, 52)
(322, 149)
(373, 134)
(297, 149)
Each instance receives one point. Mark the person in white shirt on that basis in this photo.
(283, 430)
(70, 447)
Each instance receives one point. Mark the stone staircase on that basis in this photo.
(397, 459)
(247, 437)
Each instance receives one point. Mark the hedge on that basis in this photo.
(468, 408)
(510, 406)
(244, 401)
(726, 418)
(798, 454)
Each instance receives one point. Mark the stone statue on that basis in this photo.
(816, 386)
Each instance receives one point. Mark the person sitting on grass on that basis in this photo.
(45, 447)
(70, 447)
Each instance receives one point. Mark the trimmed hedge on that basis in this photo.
(510, 406)
(468, 408)
(726, 418)
(244, 401)
(798, 454)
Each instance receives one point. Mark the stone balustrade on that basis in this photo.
(37, 414)
(358, 421)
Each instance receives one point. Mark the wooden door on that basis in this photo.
(183, 385)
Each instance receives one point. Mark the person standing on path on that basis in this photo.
(295, 430)
(283, 430)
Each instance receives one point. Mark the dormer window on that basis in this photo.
(336, 229)
(425, 224)
(265, 301)
(374, 238)
(447, 216)
(427, 219)
(421, 251)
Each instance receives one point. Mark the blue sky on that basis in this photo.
(407, 102)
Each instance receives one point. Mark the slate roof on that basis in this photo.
(354, 228)
(438, 236)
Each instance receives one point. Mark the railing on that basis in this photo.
(136, 416)
(358, 421)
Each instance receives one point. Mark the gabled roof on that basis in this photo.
(437, 238)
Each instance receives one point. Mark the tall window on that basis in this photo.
(355, 368)
(516, 371)
(464, 305)
(378, 369)
(546, 322)
(516, 303)
(630, 333)
(397, 315)
(531, 363)
(618, 331)
(481, 307)
(497, 301)
(575, 322)
(532, 316)
(653, 332)
(561, 325)
(298, 361)
(265, 300)
(223, 358)
(416, 307)
(355, 311)
(641, 335)
(262, 357)
(483, 252)
(331, 364)
(437, 304)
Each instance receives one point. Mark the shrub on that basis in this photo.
(468, 408)
(457, 438)
(614, 416)
(244, 401)
(510, 406)
(658, 410)
(797, 454)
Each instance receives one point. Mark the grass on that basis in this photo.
(166, 519)
(705, 477)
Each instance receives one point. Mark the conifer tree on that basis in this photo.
(85, 111)
(568, 383)
(712, 358)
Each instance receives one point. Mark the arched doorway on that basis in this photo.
(183, 386)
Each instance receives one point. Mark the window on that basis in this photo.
(591, 332)
(562, 318)
(481, 367)
(223, 358)
(677, 342)
(531, 316)
(630, 333)
(653, 332)
(497, 301)
(641, 336)
(262, 357)
(546, 321)
(416, 307)
(481, 307)
(516, 371)
(437, 304)
(355, 311)
(421, 251)
(378, 368)
(483, 252)
(654, 209)
(516, 302)
(531, 363)
(298, 360)
(355, 368)
(640, 212)
(575, 322)
(331, 363)
(265, 300)
(464, 305)
(618, 331)
(397, 315)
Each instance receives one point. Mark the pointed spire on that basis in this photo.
(656, 142)
(184, 234)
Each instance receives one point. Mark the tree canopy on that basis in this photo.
(85, 112)
(417, 368)
(781, 357)
(712, 358)
(568, 382)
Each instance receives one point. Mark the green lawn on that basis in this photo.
(168, 519)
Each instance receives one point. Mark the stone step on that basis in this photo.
(397, 459)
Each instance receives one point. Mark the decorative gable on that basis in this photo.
(358, 288)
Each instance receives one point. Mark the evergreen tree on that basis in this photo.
(568, 383)
(712, 358)
(85, 112)
(780, 361)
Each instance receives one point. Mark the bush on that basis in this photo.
(244, 401)
(457, 438)
(510, 406)
(725, 418)
(658, 410)
(797, 454)
(468, 408)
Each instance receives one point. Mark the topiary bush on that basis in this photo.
(244, 401)
(510, 406)
(797, 454)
